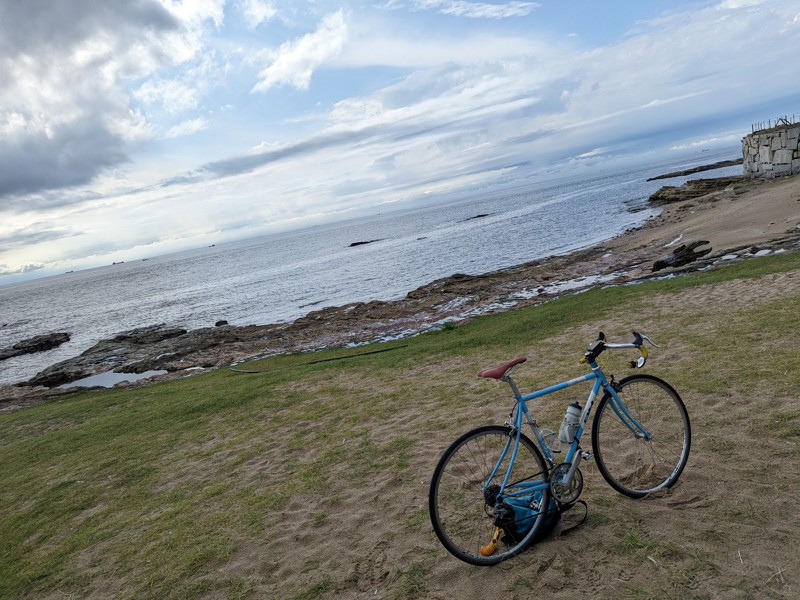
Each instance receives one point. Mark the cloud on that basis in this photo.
(57, 154)
(734, 4)
(29, 27)
(238, 165)
(420, 50)
(65, 114)
(257, 12)
(19, 269)
(296, 61)
(34, 234)
(479, 10)
(186, 128)
(174, 96)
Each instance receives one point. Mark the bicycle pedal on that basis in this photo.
(587, 455)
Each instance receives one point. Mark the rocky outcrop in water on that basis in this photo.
(717, 165)
(152, 348)
(39, 343)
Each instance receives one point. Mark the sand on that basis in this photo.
(729, 529)
(766, 213)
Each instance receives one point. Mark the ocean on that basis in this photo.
(278, 278)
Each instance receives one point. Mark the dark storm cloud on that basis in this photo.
(72, 154)
(34, 26)
(58, 114)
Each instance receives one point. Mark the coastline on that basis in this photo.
(744, 218)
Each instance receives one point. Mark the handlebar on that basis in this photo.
(599, 345)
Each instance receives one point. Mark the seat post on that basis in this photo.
(507, 378)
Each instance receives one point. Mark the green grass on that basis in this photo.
(155, 492)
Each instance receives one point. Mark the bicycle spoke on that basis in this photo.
(631, 464)
(460, 515)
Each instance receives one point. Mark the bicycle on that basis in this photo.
(640, 436)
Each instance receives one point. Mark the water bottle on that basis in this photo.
(570, 423)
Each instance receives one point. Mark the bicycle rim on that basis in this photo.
(631, 464)
(459, 513)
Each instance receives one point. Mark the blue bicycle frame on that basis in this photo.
(572, 456)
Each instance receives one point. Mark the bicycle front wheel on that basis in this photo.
(459, 509)
(648, 451)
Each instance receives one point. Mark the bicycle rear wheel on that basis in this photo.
(461, 517)
(632, 464)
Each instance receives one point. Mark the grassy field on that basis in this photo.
(311, 481)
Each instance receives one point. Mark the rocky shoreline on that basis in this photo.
(181, 353)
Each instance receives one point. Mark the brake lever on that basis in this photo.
(639, 337)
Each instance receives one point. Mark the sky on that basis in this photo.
(134, 128)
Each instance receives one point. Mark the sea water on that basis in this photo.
(279, 278)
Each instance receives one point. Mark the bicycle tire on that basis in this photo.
(630, 464)
(461, 518)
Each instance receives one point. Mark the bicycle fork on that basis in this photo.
(566, 480)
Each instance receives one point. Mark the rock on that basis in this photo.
(717, 165)
(220, 323)
(695, 188)
(39, 343)
(682, 255)
(148, 335)
(155, 348)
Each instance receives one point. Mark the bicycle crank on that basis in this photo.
(565, 490)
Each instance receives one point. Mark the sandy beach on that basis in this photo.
(762, 213)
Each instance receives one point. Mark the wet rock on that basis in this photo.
(148, 335)
(717, 165)
(39, 343)
(682, 255)
(156, 348)
(695, 188)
